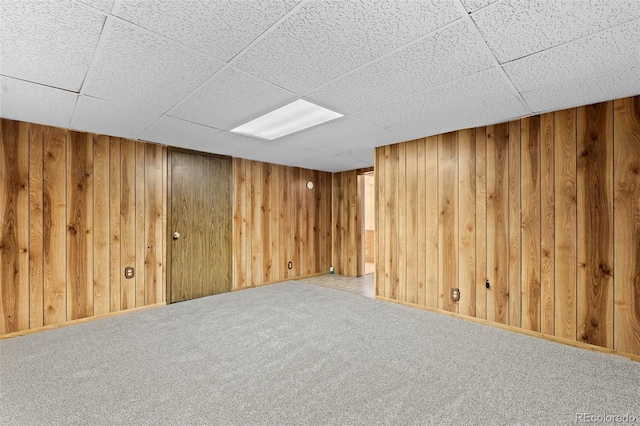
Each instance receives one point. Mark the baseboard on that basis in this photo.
(79, 321)
(549, 337)
(302, 277)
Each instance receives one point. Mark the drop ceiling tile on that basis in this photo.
(141, 69)
(325, 39)
(49, 43)
(225, 143)
(109, 118)
(103, 5)
(446, 55)
(327, 133)
(34, 103)
(176, 132)
(517, 28)
(473, 5)
(482, 87)
(611, 49)
(463, 118)
(278, 154)
(333, 164)
(219, 28)
(596, 88)
(230, 98)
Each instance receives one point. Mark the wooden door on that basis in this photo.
(199, 225)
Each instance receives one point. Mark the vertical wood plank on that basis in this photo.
(114, 213)
(154, 226)
(627, 224)
(531, 232)
(432, 220)
(14, 213)
(467, 221)
(515, 238)
(140, 226)
(248, 223)
(380, 235)
(448, 222)
(101, 231)
(266, 223)
(497, 138)
(128, 220)
(36, 226)
(481, 223)
(411, 221)
(239, 223)
(421, 224)
(401, 193)
(547, 218)
(392, 215)
(565, 226)
(256, 220)
(595, 224)
(163, 296)
(79, 225)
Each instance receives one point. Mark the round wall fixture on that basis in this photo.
(309, 185)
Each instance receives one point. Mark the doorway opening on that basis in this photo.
(368, 229)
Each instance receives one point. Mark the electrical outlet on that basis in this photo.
(455, 294)
(129, 272)
(290, 265)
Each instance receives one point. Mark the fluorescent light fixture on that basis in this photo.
(291, 118)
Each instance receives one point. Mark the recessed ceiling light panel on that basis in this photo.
(291, 118)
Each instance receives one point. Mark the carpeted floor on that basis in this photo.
(296, 353)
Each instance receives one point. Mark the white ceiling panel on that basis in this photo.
(447, 55)
(364, 142)
(327, 133)
(103, 5)
(473, 5)
(176, 132)
(34, 103)
(226, 143)
(517, 28)
(109, 118)
(324, 39)
(245, 97)
(138, 68)
(479, 88)
(49, 43)
(465, 117)
(333, 164)
(278, 154)
(595, 88)
(220, 28)
(611, 49)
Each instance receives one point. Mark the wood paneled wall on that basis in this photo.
(536, 207)
(347, 214)
(276, 219)
(76, 209)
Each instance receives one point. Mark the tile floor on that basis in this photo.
(363, 285)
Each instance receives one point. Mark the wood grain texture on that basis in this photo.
(347, 222)
(127, 221)
(421, 224)
(627, 225)
(547, 224)
(411, 222)
(380, 217)
(432, 221)
(531, 233)
(256, 224)
(115, 276)
(79, 225)
(141, 237)
(101, 229)
(565, 224)
(481, 223)
(154, 259)
(515, 220)
(36, 218)
(595, 224)
(392, 217)
(14, 239)
(55, 230)
(498, 222)
(467, 221)
(448, 220)
(402, 222)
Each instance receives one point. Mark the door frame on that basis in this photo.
(169, 231)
